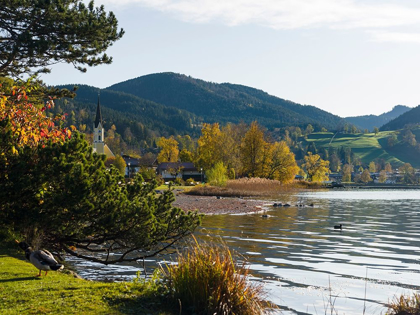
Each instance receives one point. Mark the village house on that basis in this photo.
(183, 170)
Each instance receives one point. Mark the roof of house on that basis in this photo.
(134, 162)
(186, 166)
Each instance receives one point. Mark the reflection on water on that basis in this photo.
(304, 261)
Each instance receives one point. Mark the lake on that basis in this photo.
(309, 267)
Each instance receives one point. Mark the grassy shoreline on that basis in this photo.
(21, 292)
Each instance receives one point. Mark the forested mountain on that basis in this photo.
(411, 117)
(225, 102)
(138, 122)
(369, 122)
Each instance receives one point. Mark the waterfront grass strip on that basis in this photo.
(21, 292)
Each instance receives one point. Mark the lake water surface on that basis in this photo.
(307, 265)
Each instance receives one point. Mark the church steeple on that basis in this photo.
(98, 118)
(99, 145)
(98, 131)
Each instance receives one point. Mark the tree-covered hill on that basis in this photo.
(138, 121)
(225, 102)
(412, 117)
(369, 122)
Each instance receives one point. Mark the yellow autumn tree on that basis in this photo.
(283, 165)
(229, 148)
(209, 145)
(168, 150)
(253, 151)
(316, 168)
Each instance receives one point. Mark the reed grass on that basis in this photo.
(405, 305)
(248, 187)
(207, 280)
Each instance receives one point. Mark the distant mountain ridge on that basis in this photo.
(225, 102)
(369, 122)
(411, 117)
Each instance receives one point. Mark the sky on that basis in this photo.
(347, 57)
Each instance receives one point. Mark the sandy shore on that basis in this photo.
(213, 205)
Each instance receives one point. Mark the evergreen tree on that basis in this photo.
(63, 194)
(35, 34)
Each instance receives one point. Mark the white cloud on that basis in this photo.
(397, 37)
(290, 14)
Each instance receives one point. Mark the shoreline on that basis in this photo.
(210, 205)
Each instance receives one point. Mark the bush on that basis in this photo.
(178, 182)
(217, 176)
(207, 280)
(190, 182)
(405, 305)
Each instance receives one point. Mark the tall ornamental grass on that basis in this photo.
(405, 305)
(206, 280)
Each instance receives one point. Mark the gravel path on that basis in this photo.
(215, 205)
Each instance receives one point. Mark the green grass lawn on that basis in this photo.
(21, 292)
(368, 147)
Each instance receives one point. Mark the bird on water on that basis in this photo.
(338, 227)
(41, 259)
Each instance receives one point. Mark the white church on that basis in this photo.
(99, 145)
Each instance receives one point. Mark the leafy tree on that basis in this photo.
(168, 150)
(253, 148)
(335, 163)
(312, 148)
(316, 168)
(409, 137)
(309, 129)
(388, 168)
(217, 175)
(35, 34)
(365, 176)
(230, 145)
(209, 145)
(347, 170)
(118, 162)
(372, 167)
(408, 172)
(283, 165)
(65, 196)
(186, 156)
(392, 140)
(353, 129)
(23, 124)
(382, 176)
(376, 130)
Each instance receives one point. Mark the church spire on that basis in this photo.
(98, 118)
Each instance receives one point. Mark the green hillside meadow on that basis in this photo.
(368, 147)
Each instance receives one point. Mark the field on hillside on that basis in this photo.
(368, 147)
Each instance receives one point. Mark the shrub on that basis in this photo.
(405, 305)
(217, 175)
(207, 280)
(178, 182)
(190, 182)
